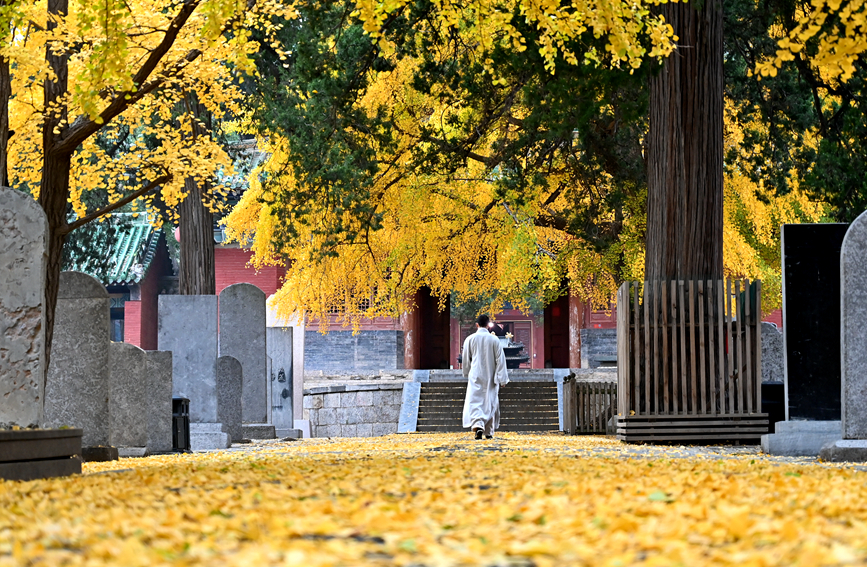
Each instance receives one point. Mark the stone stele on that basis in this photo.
(772, 353)
(280, 342)
(188, 328)
(23, 245)
(159, 401)
(242, 335)
(128, 399)
(853, 347)
(229, 384)
(77, 384)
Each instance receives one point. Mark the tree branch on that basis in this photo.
(114, 206)
(84, 127)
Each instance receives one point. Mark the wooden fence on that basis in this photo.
(689, 361)
(589, 405)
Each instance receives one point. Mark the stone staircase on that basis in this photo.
(524, 406)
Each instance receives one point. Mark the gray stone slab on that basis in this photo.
(127, 396)
(853, 329)
(364, 430)
(845, 451)
(188, 328)
(230, 380)
(159, 400)
(23, 245)
(208, 436)
(259, 431)
(800, 438)
(289, 433)
(280, 347)
(303, 425)
(772, 354)
(243, 316)
(132, 452)
(810, 427)
(77, 383)
(421, 376)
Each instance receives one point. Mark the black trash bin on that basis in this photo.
(181, 425)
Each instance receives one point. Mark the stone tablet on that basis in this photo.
(188, 328)
(128, 397)
(811, 313)
(230, 379)
(77, 384)
(853, 331)
(23, 245)
(772, 354)
(242, 335)
(280, 342)
(159, 401)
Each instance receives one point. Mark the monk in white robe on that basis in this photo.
(484, 366)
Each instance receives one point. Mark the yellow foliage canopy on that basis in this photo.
(107, 45)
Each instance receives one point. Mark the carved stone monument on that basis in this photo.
(230, 380)
(242, 336)
(280, 343)
(77, 389)
(128, 399)
(811, 339)
(853, 347)
(159, 401)
(188, 328)
(23, 241)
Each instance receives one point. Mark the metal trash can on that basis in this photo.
(181, 425)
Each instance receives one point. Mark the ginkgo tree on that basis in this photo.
(411, 166)
(95, 100)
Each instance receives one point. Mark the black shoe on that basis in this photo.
(489, 436)
(479, 433)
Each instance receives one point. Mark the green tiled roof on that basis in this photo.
(131, 254)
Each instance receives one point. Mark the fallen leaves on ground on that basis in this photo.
(437, 500)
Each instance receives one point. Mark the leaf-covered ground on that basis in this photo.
(442, 500)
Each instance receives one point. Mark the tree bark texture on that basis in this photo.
(5, 95)
(685, 150)
(54, 186)
(197, 272)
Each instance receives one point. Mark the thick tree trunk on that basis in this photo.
(197, 273)
(5, 94)
(54, 187)
(685, 150)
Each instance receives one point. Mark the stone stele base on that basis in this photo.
(289, 433)
(845, 451)
(800, 438)
(129, 452)
(259, 431)
(208, 436)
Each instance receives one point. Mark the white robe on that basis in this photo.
(484, 366)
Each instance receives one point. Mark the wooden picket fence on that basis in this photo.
(689, 361)
(588, 406)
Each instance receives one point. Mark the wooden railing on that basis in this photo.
(689, 360)
(589, 406)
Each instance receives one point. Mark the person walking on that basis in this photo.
(484, 367)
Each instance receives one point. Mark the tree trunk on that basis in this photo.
(54, 187)
(197, 274)
(685, 150)
(5, 95)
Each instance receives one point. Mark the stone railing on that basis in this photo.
(353, 410)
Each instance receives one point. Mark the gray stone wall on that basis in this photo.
(598, 347)
(340, 351)
(353, 411)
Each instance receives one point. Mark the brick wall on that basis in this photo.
(141, 316)
(353, 411)
(342, 352)
(231, 267)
